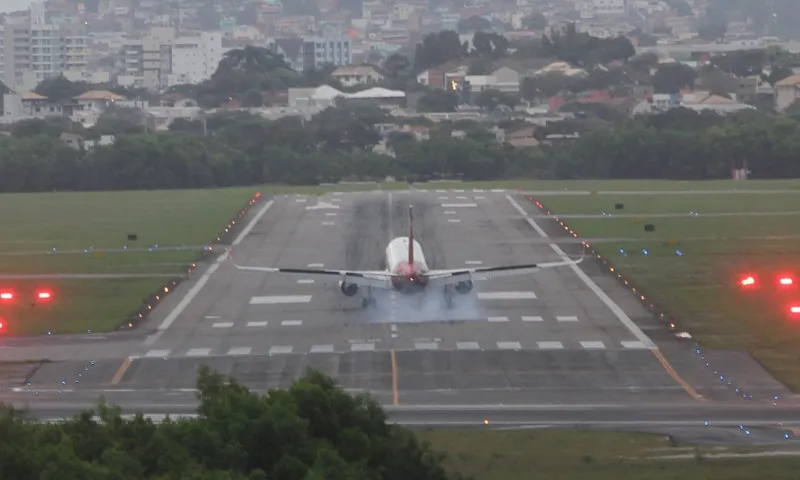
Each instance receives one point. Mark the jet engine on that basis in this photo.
(348, 289)
(464, 287)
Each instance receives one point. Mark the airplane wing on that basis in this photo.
(450, 277)
(364, 278)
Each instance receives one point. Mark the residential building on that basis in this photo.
(32, 50)
(787, 91)
(305, 53)
(349, 76)
(163, 59)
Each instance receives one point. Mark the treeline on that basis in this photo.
(343, 143)
(311, 431)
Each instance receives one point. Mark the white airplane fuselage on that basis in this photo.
(397, 263)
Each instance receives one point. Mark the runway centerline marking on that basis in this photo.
(395, 393)
(454, 220)
(316, 265)
(198, 352)
(566, 318)
(173, 315)
(258, 324)
(459, 205)
(611, 304)
(222, 325)
(126, 364)
(497, 319)
(291, 323)
(473, 262)
(532, 319)
(305, 281)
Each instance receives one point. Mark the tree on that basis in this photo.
(534, 21)
(712, 31)
(437, 49)
(438, 101)
(59, 89)
(491, 45)
(671, 78)
(313, 429)
(474, 24)
(681, 8)
(578, 48)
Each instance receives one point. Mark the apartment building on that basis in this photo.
(163, 58)
(305, 53)
(32, 50)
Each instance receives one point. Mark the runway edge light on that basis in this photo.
(747, 281)
(786, 281)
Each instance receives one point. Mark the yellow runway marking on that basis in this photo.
(395, 395)
(672, 373)
(126, 364)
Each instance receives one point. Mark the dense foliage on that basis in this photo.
(311, 431)
(340, 143)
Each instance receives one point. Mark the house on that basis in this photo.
(523, 138)
(28, 105)
(349, 76)
(97, 99)
(506, 80)
(786, 92)
(560, 68)
(708, 101)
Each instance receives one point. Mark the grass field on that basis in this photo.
(756, 234)
(35, 224)
(557, 455)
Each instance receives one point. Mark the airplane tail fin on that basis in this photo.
(410, 235)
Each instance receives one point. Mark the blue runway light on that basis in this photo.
(645, 251)
(678, 253)
(622, 251)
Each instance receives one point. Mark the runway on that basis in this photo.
(559, 337)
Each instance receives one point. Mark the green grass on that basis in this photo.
(700, 288)
(71, 222)
(556, 455)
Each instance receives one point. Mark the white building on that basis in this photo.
(32, 50)
(313, 52)
(163, 59)
(594, 8)
(195, 59)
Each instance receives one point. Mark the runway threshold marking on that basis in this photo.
(126, 364)
(175, 313)
(395, 394)
(611, 304)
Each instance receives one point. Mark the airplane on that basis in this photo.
(406, 271)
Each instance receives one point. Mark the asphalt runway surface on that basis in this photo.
(565, 336)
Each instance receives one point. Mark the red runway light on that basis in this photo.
(43, 295)
(795, 309)
(786, 281)
(6, 296)
(748, 281)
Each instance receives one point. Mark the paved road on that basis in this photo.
(567, 336)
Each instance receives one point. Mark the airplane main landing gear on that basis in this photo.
(448, 298)
(369, 300)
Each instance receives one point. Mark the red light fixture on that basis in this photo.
(43, 295)
(786, 281)
(795, 309)
(6, 296)
(748, 281)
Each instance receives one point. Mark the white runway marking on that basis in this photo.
(509, 345)
(280, 299)
(498, 190)
(157, 353)
(459, 191)
(305, 281)
(443, 198)
(477, 190)
(323, 206)
(498, 319)
(198, 352)
(461, 198)
(621, 315)
(473, 262)
(570, 318)
(281, 350)
(322, 349)
(330, 214)
(468, 346)
(593, 345)
(506, 295)
(316, 265)
(336, 200)
(328, 223)
(426, 346)
(301, 200)
(441, 191)
(174, 314)
(635, 345)
(459, 205)
(291, 323)
(480, 198)
(337, 193)
(240, 351)
(222, 325)
(212, 317)
(532, 319)
(550, 345)
(257, 324)
(362, 347)
(449, 212)
(454, 220)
